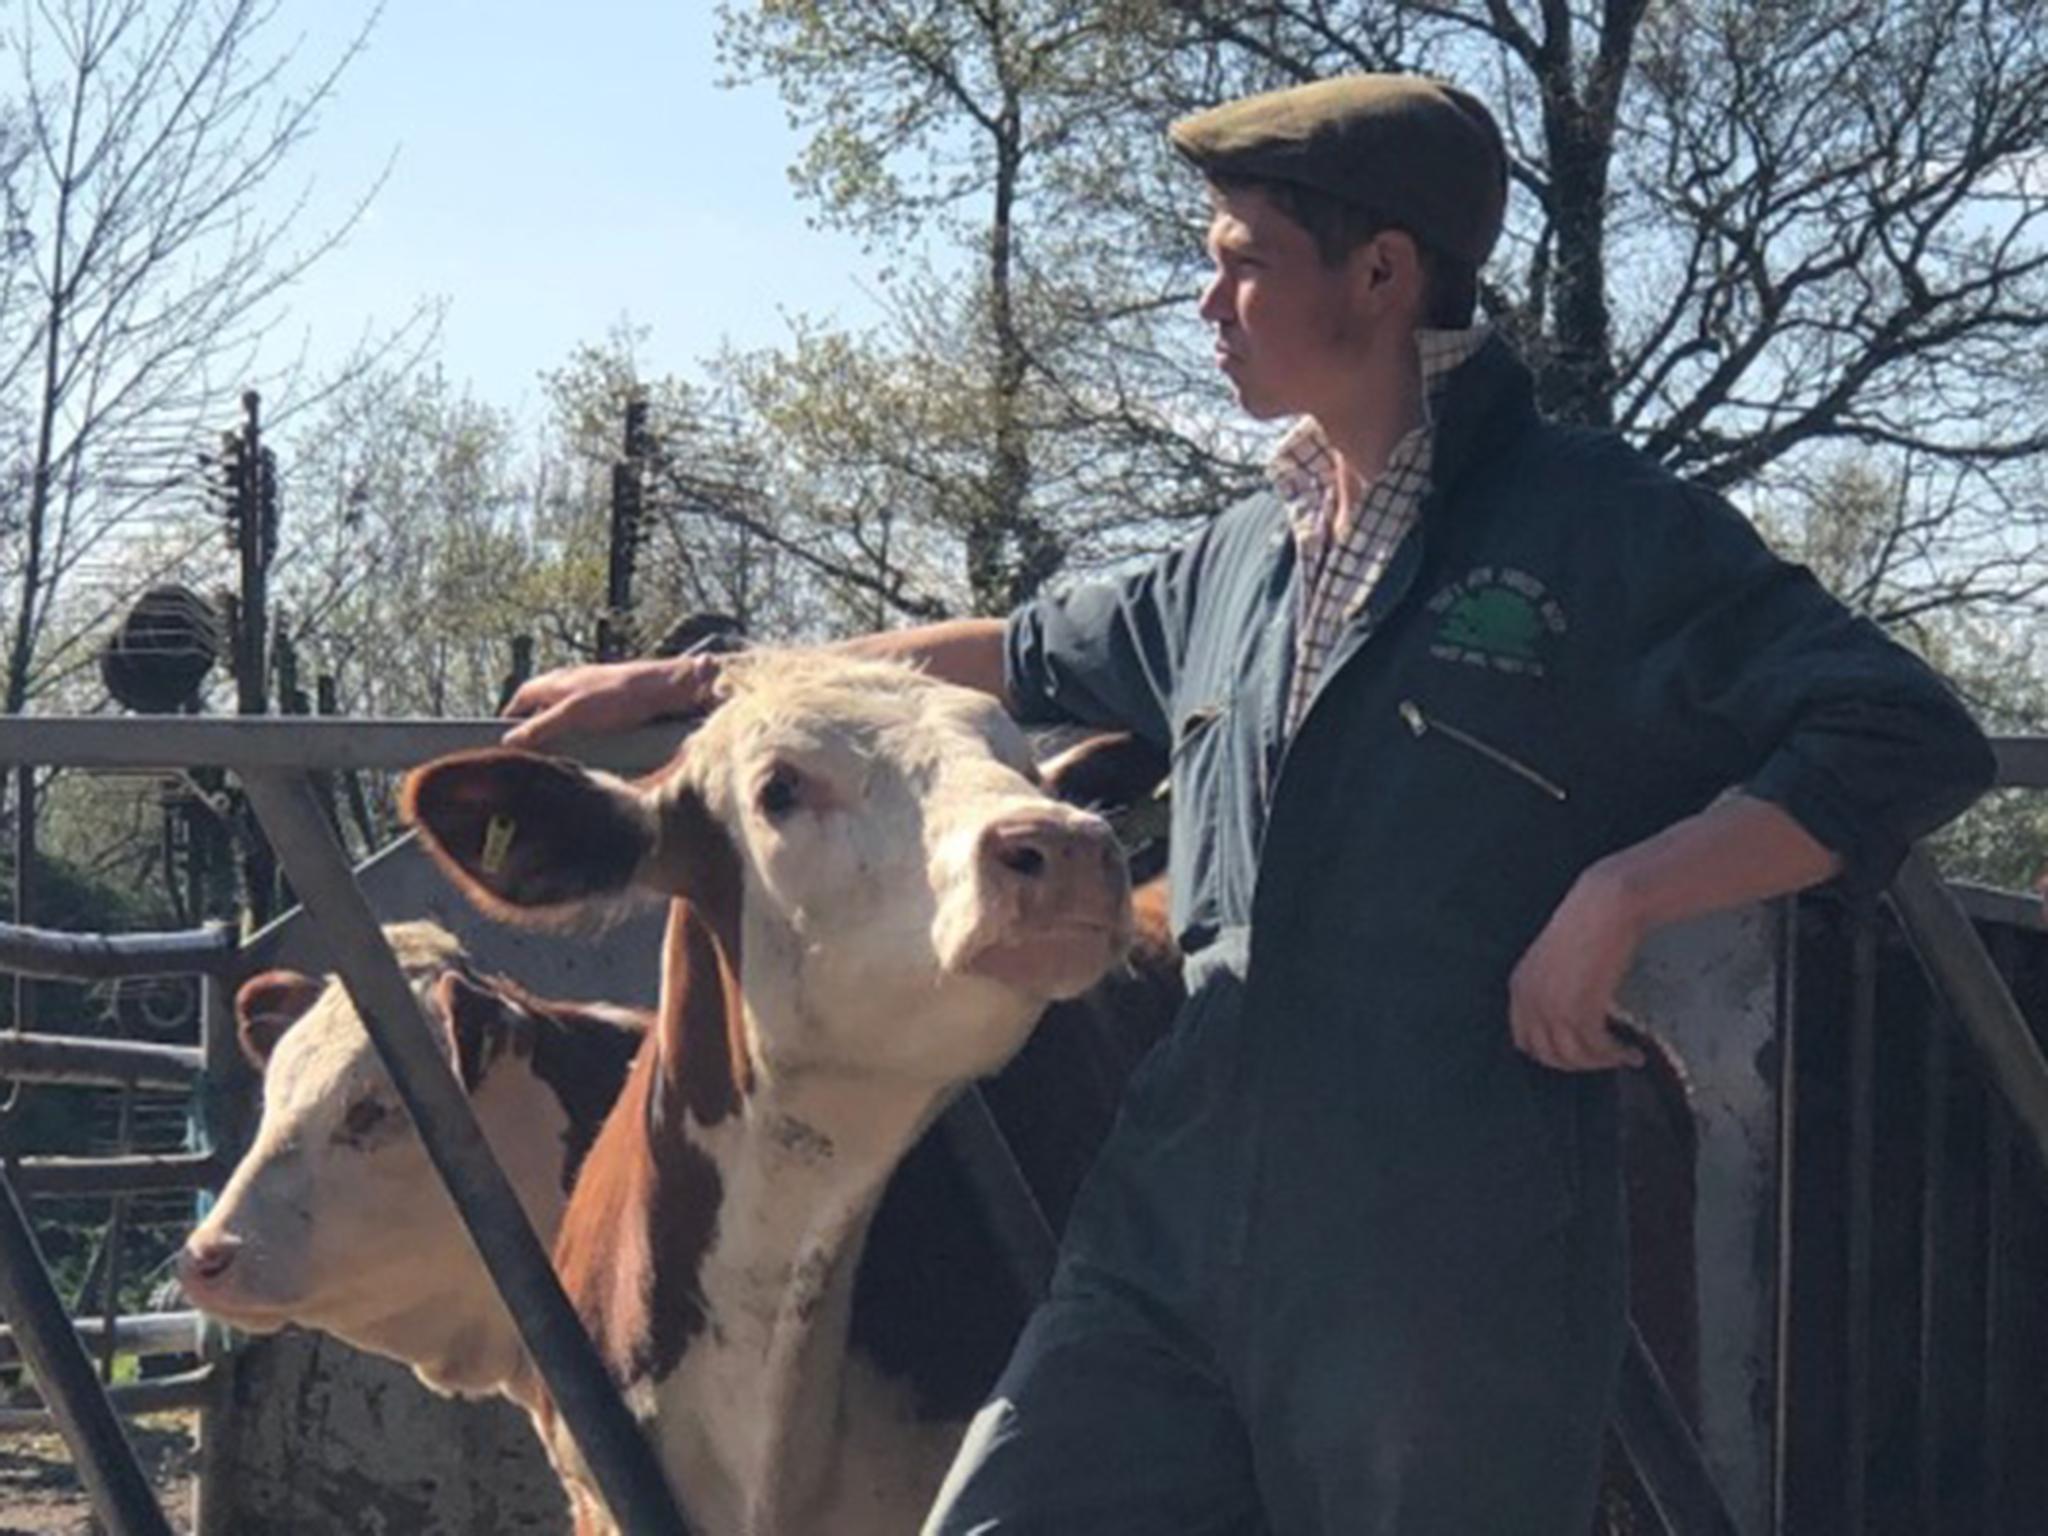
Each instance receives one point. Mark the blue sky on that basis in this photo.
(557, 167)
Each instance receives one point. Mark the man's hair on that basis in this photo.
(1450, 288)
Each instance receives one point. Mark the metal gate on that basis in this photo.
(1835, 1411)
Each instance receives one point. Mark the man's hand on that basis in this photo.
(1738, 850)
(602, 698)
(1562, 992)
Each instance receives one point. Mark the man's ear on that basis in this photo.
(267, 1005)
(525, 837)
(1389, 266)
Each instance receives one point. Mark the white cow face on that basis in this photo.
(890, 888)
(335, 1219)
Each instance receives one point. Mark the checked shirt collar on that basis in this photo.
(1338, 575)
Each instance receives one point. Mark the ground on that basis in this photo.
(40, 1494)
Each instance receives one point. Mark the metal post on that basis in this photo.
(221, 1112)
(1974, 995)
(1789, 1083)
(1934, 1241)
(1999, 1243)
(1662, 1449)
(1861, 1195)
(615, 637)
(121, 1495)
(117, 1235)
(24, 901)
(251, 690)
(619, 1457)
(255, 533)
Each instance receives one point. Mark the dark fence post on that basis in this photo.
(43, 1333)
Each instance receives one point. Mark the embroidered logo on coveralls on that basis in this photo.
(1496, 617)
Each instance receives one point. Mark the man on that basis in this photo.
(1452, 708)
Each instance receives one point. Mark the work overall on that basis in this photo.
(1350, 1262)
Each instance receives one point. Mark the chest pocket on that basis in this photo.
(1494, 777)
(1490, 737)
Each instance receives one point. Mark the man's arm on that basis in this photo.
(617, 696)
(1738, 850)
(1739, 670)
(964, 651)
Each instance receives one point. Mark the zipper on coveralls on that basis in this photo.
(1421, 724)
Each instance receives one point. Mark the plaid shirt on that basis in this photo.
(1338, 573)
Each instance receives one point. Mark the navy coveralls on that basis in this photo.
(1350, 1262)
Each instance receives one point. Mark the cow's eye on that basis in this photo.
(363, 1118)
(779, 793)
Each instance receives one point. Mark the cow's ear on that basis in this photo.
(1106, 772)
(268, 1005)
(480, 1022)
(524, 836)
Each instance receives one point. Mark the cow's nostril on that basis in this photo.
(211, 1261)
(1022, 859)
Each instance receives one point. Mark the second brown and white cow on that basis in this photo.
(334, 1218)
(871, 902)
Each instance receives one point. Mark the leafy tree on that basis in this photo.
(407, 558)
(1890, 551)
(1022, 411)
(135, 278)
(710, 536)
(1755, 238)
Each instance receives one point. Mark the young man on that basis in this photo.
(1452, 709)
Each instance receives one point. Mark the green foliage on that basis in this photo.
(415, 552)
(713, 536)
(1029, 415)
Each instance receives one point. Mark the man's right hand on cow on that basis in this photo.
(604, 697)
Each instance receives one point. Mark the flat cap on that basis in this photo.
(1424, 155)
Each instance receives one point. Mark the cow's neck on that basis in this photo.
(454, 1329)
(711, 1247)
(458, 1340)
(803, 1169)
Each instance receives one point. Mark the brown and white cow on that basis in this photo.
(871, 902)
(334, 1218)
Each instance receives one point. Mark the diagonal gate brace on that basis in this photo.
(618, 1455)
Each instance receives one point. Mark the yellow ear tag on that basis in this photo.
(497, 844)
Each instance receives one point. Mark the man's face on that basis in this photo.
(1289, 331)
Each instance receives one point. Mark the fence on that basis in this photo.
(273, 757)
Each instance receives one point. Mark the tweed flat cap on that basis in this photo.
(1424, 155)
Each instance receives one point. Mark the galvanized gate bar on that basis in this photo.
(1969, 985)
(106, 1463)
(1988, 904)
(295, 742)
(140, 1173)
(619, 1458)
(143, 1333)
(1661, 1447)
(50, 953)
(167, 1394)
(114, 1063)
